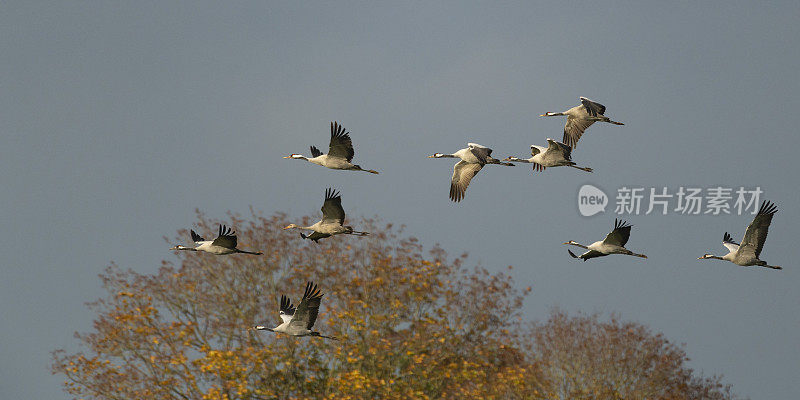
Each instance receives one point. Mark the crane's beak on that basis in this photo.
(287, 227)
(288, 157)
(507, 158)
(566, 243)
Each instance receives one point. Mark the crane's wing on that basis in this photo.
(287, 309)
(341, 145)
(306, 313)
(226, 238)
(195, 237)
(619, 236)
(315, 152)
(562, 148)
(482, 153)
(756, 233)
(574, 128)
(332, 210)
(728, 242)
(315, 236)
(592, 107)
(462, 175)
(587, 255)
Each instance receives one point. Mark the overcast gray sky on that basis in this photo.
(118, 120)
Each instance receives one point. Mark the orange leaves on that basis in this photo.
(214, 393)
(413, 325)
(583, 357)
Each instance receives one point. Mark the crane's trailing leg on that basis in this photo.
(587, 169)
(317, 334)
(765, 265)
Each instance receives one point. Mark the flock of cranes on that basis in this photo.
(299, 321)
(556, 154)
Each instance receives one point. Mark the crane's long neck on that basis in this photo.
(442, 155)
(574, 243)
(293, 226)
(553, 114)
(262, 328)
(179, 247)
(515, 159)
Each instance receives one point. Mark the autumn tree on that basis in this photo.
(413, 324)
(584, 357)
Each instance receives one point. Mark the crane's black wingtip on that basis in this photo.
(573, 254)
(767, 207)
(331, 193)
(618, 224)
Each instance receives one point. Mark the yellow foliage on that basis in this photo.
(413, 324)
